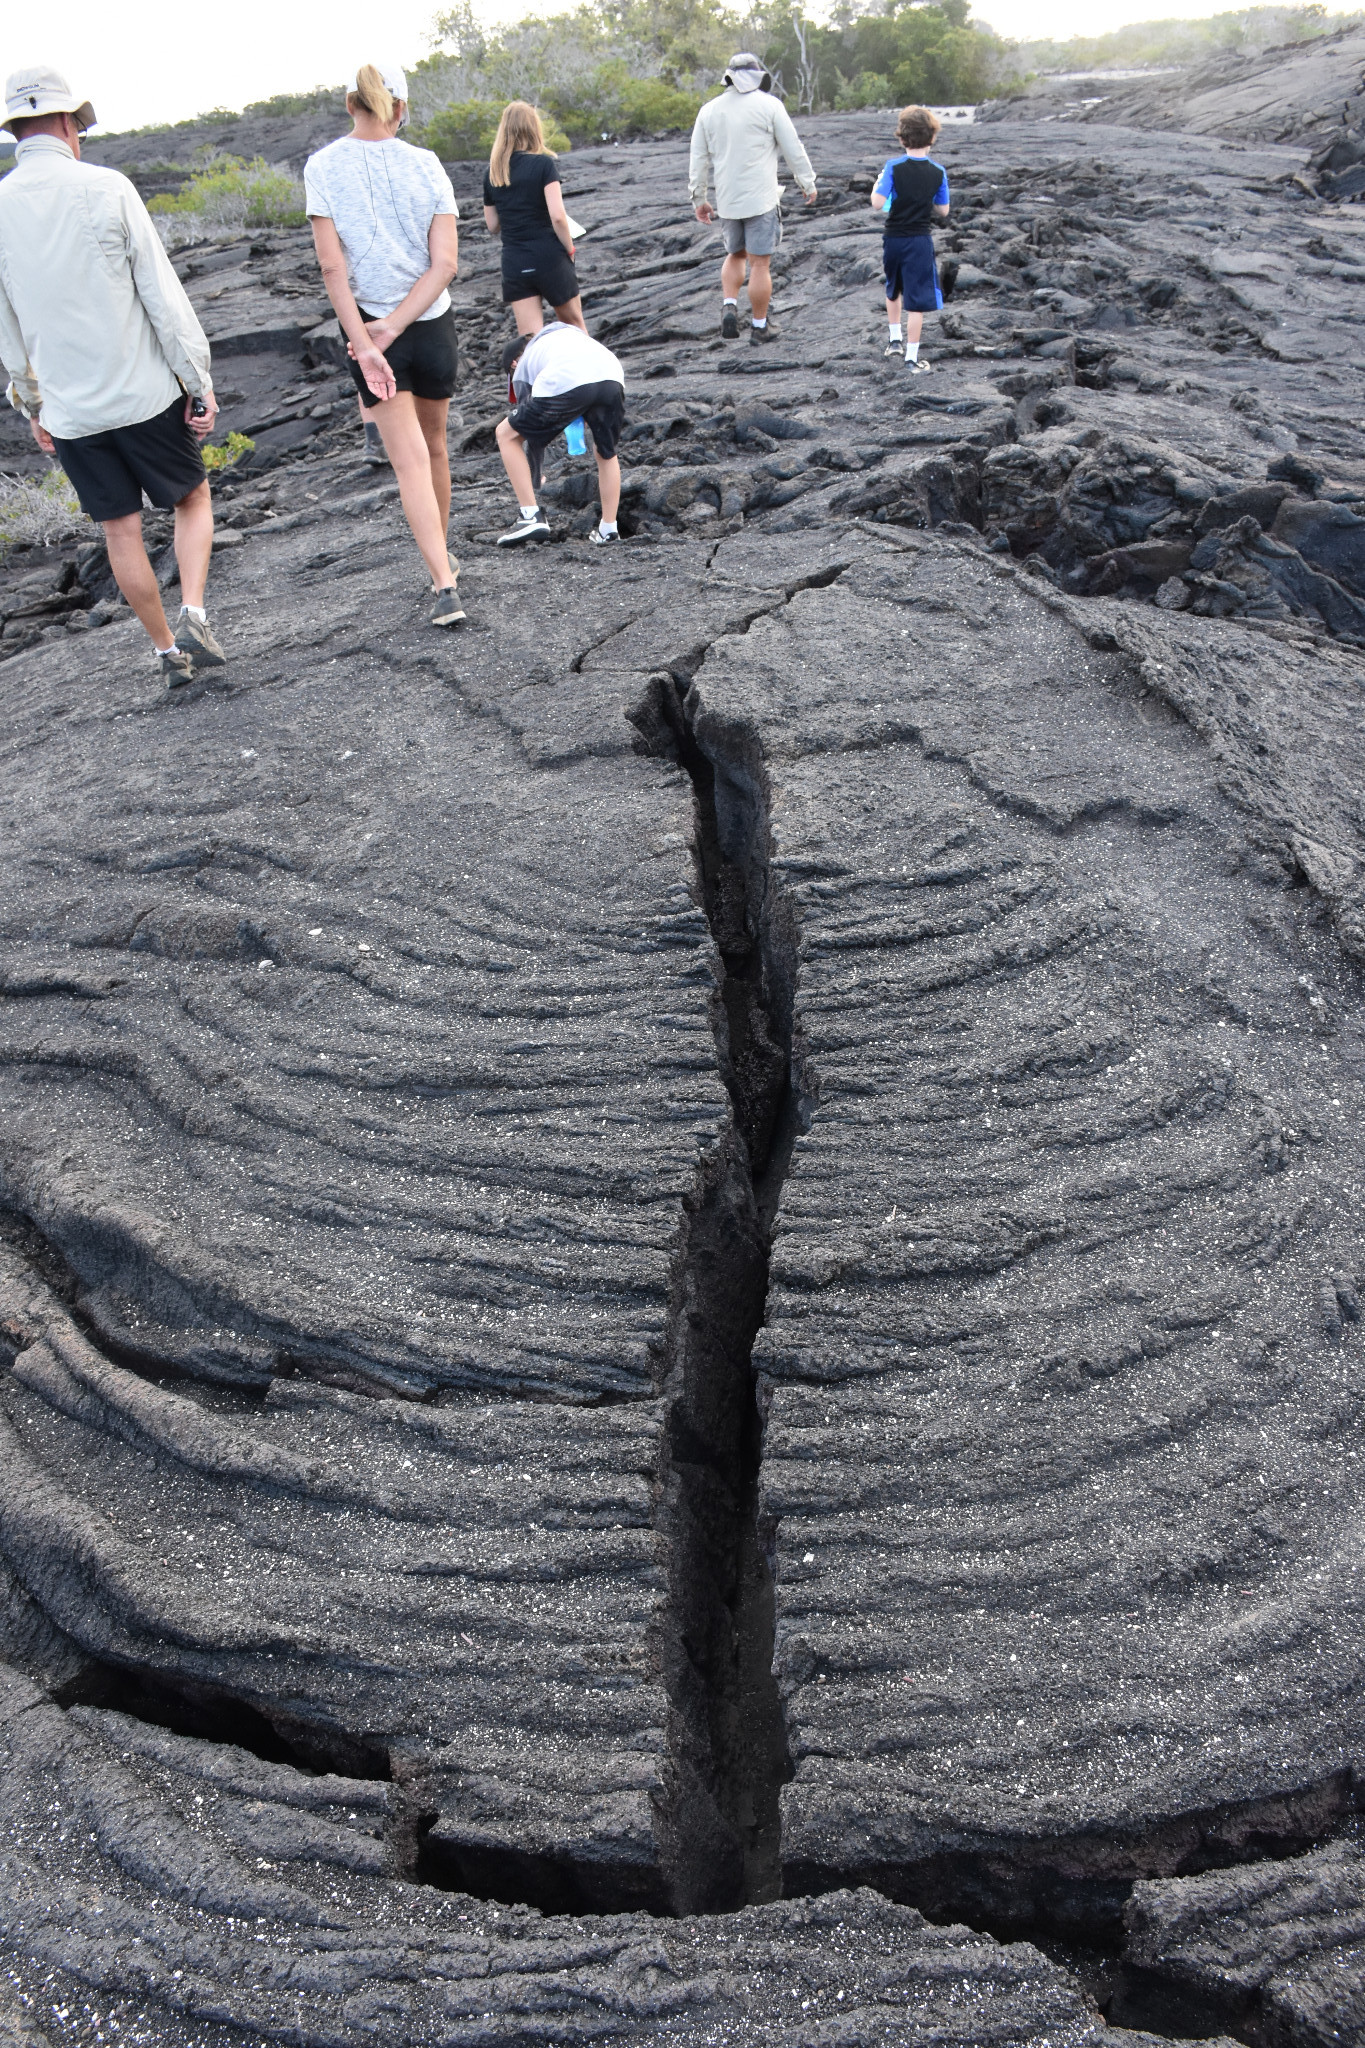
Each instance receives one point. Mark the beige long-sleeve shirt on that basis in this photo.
(736, 141)
(95, 328)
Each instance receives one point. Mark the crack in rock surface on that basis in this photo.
(680, 1280)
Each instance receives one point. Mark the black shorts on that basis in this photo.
(110, 471)
(425, 359)
(603, 406)
(544, 271)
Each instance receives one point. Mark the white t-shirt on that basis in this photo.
(561, 357)
(381, 197)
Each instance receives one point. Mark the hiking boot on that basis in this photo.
(530, 526)
(447, 610)
(195, 638)
(603, 540)
(176, 668)
(376, 454)
(894, 348)
(729, 323)
(761, 334)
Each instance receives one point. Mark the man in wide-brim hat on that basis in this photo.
(106, 358)
(736, 141)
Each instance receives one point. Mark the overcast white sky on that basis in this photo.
(160, 60)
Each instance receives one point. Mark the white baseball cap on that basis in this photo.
(394, 77)
(38, 89)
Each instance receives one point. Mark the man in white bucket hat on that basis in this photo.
(737, 139)
(105, 356)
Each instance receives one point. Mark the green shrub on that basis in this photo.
(868, 89)
(37, 510)
(650, 104)
(228, 195)
(222, 455)
(323, 99)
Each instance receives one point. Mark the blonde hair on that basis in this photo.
(519, 128)
(918, 127)
(371, 95)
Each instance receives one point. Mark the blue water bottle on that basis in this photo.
(574, 439)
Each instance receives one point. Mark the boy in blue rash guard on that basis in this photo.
(913, 192)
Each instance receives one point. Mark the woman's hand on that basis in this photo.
(382, 333)
(374, 368)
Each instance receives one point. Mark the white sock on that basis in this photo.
(763, 322)
(895, 327)
(529, 511)
(606, 526)
(164, 650)
(732, 302)
(196, 611)
(912, 351)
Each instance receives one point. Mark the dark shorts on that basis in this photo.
(911, 273)
(603, 406)
(425, 359)
(543, 271)
(110, 471)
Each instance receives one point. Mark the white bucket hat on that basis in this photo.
(747, 73)
(38, 89)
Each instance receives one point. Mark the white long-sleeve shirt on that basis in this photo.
(736, 140)
(95, 328)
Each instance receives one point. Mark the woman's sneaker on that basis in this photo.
(447, 610)
(530, 526)
(195, 638)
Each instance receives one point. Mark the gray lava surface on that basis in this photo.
(680, 1275)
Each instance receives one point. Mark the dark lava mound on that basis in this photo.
(681, 1278)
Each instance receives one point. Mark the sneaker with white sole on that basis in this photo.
(195, 638)
(530, 526)
(919, 368)
(603, 540)
(894, 348)
(175, 667)
(447, 610)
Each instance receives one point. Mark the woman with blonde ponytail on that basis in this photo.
(523, 202)
(384, 226)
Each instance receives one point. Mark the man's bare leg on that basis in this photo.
(194, 543)
(135, 576)
(760, 286)
(732, 276)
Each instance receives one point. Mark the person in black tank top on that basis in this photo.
(523, 203)
(912, 192)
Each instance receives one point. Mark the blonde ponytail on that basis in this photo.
(371, 95)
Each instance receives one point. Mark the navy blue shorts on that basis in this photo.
(911, 273)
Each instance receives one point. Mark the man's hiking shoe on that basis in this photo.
(919, 368)
(376, 454)
(758, 335)
(531, 526)
(194, 637)
(729, 324)
(447, 610)
(894, 348)
(603, 540)
(176, 668)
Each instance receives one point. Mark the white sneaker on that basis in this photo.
(530, 526)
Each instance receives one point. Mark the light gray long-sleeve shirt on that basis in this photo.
(95, 328)
(736, 141)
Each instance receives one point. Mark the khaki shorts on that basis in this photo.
(759, 235)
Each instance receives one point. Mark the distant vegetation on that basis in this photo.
(1248, 31)
(225, 196)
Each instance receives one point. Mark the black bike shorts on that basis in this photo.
(544, 270)
(110, 471)
(425, 359)
(603, 406)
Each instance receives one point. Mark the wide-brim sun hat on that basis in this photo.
(747, 73)
(38, 89)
